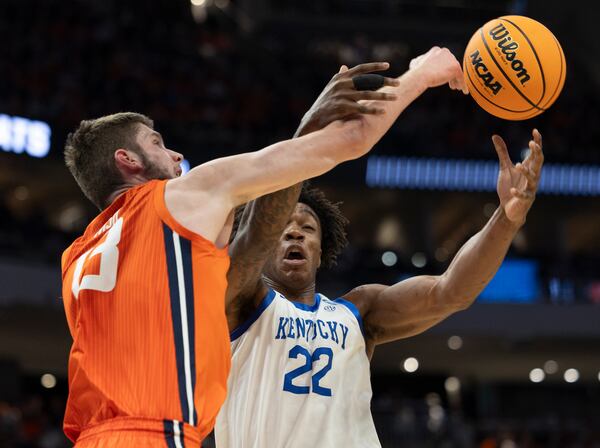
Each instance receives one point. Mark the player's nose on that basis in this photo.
(177, 157)
(293, 233)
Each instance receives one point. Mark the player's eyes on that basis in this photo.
(311, 228)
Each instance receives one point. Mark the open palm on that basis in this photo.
(517, 184)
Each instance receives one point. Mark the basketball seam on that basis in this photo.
(491, 102)
(561, 81)
(505, 75)
(536, 58)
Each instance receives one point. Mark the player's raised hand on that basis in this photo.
(341, 100)
(438, 67)
(517, 184)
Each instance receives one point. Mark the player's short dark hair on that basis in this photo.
(333, 224)
(89, 152)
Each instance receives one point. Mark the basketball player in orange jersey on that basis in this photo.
(300, 362)
(144, 287)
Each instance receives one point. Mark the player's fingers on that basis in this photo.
(367, 68)
(343, 68)
(348, 83)
(521, 194)
(391, 82)
(502, 152)
(370, 95)
(537, 156)
(369, 109)
(461, 85)
(348, 109)
(532, 179)
(537, 137)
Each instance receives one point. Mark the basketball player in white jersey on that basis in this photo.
(300, 372)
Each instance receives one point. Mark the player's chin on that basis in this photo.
(297, 275)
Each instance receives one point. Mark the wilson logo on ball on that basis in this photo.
(508, 47)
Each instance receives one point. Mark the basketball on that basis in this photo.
(514, 67)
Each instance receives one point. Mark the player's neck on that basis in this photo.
(304, 295)
(133, 182)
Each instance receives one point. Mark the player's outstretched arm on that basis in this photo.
(414, 305)
(223, 184)
(203, 199)
(264, 219)
(432, 69)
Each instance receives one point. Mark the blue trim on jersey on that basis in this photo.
(304, 307)
(354, 310)
(255, 315)
(169, 430)
(176, 318)
(186, 256)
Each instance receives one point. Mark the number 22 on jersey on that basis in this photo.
(108, 252)
(289, 377)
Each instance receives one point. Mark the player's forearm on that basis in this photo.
(477, 261)
(263, 222)
(410, 88)
(289, 162)
(320, 151)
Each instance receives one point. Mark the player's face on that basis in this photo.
(159, 161)
(295, 262)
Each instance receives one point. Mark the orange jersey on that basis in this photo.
(144, 299)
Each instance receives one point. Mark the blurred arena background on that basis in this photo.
(521, 368)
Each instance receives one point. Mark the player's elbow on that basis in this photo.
(459, 301)
(451, 299)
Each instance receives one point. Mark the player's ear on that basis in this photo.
(128, 161)
(320, 255)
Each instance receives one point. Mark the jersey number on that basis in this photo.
(297, 350)
(106, 278)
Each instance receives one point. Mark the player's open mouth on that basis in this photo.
(294, 256)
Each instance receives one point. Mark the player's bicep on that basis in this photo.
(405, 309)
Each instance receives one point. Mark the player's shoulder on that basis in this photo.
(364, 292)
(363, 296)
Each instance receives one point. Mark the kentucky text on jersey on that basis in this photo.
(308, 329)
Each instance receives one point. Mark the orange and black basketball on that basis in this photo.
(514, 67)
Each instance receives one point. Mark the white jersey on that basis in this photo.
(300, 377)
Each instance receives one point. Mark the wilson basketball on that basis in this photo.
(514, 67)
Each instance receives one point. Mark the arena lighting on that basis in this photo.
(452, 384)
(419, 260)
(48, 380)
(22, 135)
(389, 258)
(411, 365)
(571, 375)
(474, 175)
(455, 342)
(537, 375)
(550, 367)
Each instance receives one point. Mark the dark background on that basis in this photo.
(222, 77)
